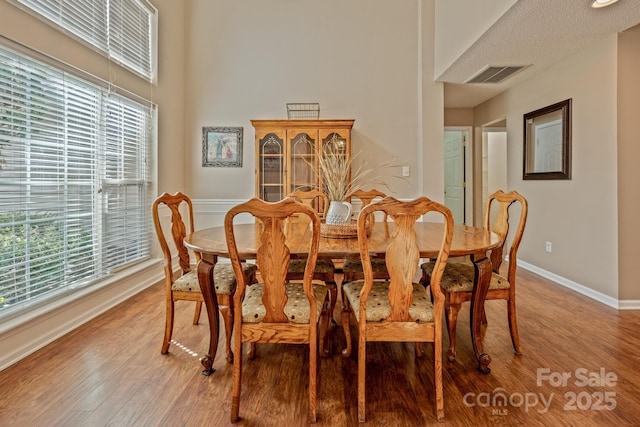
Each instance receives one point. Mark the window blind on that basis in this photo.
(131, 30)
(75, 183)
(124, 30)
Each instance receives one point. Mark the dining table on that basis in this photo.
(470, 241)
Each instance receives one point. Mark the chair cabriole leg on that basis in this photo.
(168, 327)
(513, 325)
(227, 316)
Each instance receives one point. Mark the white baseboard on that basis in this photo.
(581, 289)
(629, 304)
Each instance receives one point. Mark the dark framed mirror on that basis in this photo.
(547, 142)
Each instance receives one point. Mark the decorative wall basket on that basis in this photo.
(303, 110)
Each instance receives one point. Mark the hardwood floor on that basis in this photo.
(110, 372)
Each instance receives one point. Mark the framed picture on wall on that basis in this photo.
(222, 147)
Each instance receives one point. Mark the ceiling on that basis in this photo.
(537, 33)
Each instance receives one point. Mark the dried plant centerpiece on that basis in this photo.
(335, 171)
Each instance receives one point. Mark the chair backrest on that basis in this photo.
(273, 254)
(402, 254)
(179, 230)
(366, 197)
(312, 198)
(502, 201)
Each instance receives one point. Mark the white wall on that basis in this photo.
(431, 125)
(459, 23)
(578, 216)
(359, 59)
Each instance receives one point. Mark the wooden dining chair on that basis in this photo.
(398, 309)
(314, 198)
(457, 281)
(325, 270)
(186, 287)
(275, 310)
(352, 267)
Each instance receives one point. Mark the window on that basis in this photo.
(75, 181)
(123, 30)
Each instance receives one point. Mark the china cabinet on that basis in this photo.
(287, 153)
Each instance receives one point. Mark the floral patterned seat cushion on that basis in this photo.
(353, 265)
(322, 266)
(458, 277)
(378, 306)
(223, 277)
(296, 309)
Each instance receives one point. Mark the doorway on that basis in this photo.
(494, 160)
(488, 166)
(458, 196)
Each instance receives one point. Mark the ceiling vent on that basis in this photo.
(493, 74)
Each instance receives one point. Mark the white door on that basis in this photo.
(454, 185)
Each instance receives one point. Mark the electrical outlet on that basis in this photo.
(548, 247)
(406, 171)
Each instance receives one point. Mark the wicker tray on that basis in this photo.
(339, 231)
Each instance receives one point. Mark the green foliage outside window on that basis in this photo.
(43, 267)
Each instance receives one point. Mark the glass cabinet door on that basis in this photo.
(302, 160)
(340, 145)
(338, 140)
(271, 168)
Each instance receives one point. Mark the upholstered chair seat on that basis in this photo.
(325, 266)
(296, 308)
(223, 277)
(458, 277)
(354, 266)
(378, 306)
